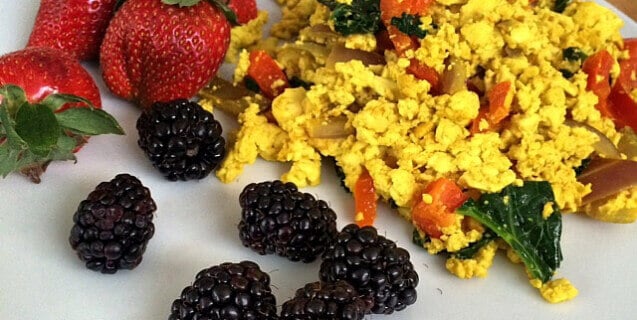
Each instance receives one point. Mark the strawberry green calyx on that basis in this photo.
(34, 134)
(221, 4)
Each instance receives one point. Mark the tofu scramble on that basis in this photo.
(411, 116)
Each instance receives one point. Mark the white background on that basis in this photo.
(41, 278)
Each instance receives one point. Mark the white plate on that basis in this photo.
(41, 278)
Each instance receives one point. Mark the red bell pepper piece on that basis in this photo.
(365, 200)
(435, 206)
(270, 78)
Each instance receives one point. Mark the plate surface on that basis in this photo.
(41, 278)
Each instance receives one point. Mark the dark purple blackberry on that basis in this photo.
(113, 225)
(374, 265)
(230, 291)
(277, 218)
(181, 139)
(326, 301)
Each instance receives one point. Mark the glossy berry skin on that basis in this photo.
(277, 218)
(113, 225)
(43, 71)
(374, 265)
(158, 52)
(73, 26)
(246, 10)
(181, 139)
(326, 301)
(230, 291)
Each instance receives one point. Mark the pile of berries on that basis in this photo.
(361, 271)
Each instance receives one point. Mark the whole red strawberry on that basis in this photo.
(156, 50)
(246, 10)
(49, 105)
(74, 26)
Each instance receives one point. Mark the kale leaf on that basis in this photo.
(296, 82)
(419, 239)
(362, 16)
(472, 249)
(574, 54)
(515, 215)
(560, 5)
(409, 24)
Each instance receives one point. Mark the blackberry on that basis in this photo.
(326, 301)
(113, 225)
(181, 139)
(374, 265)
(277, 218)
(230, 291)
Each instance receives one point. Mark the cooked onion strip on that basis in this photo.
(333, 128)
(230, 98)
(604, 146)
(454, 78)
(341, 54)
(608, 177)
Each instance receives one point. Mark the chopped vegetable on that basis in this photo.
(574, 54)
(621, 99)
(608, 177)
(628, 143)
(454, 79)
(340, 53)
(604, 146)
(598, 68)
(560, 5)
(500, 99)
(435, 205)
(267, 74)
(365, 199)
(425, 72)
(361, 16)
(470, 251)
(230, 98)
(410, 25)
(516, 215)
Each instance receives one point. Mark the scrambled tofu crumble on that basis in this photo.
(406, 135)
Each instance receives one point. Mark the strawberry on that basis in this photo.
(49, 105)
(245, 10)
(74, 26)
(157, 51)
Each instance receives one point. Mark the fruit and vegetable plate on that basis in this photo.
(317, 159)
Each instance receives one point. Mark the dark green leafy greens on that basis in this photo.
(296, 82)
(419, 239)
(560, 5)
(361, 16)
(574, 54)
(470, 251)
(410, 25)
(515, 215)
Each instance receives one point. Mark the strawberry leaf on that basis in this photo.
(57, 100)
(64, 149)
(12, 97)
(221, 4)
(8, 159)
(88, 121)
(8, 128)
(181, 3)
(37, 126)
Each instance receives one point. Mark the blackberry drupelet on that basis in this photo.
(374, 265)
(181, 139)
(326, 301)
(277, 218)
(230, 291)
(113, 225)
